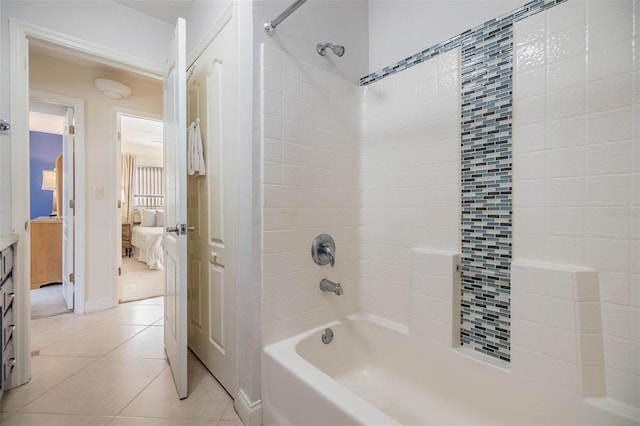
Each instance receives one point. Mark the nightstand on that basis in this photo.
(46, 251)
(126, 239)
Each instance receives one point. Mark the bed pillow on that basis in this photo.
(159, 217)
(136, 216)
(148, 217)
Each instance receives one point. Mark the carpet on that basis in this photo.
(138, 282)
(47, 301)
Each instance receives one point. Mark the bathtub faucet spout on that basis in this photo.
(326, 285)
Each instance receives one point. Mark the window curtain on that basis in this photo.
(128, 169)
(149, 187)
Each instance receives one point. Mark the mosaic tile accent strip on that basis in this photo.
(525, 11)
(486, 70)
(486, 116)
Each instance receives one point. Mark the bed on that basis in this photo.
(146, 239)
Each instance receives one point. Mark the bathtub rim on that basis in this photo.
(347, 402)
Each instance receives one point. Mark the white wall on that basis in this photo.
(576, 171)
(51, 75)
(150, 156)
(400, 28)
(338, 22)
(106, 23)
(201, 17)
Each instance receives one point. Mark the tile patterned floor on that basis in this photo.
(109, 368)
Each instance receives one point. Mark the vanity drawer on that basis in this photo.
(7, 295)
(8, 365)
(6, 263)
(8, 326)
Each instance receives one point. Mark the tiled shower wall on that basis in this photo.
(310, 128)
(410, 183)
(577, 168)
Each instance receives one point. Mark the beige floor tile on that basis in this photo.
(207, 400)
(33, 419)
(94, 340)
(152, 301)
(46, 372)
(135, 315)
(230, 414)
(44, 334)
(103, 388)
(236, 422)
(149, 343)
(150, 421)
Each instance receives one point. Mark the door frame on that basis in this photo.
(77, 105)
(19, 33)
(115, 169)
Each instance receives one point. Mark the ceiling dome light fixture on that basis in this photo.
(112, 89)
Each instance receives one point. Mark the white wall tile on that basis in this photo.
(589, 319)
(529, 111)
(566, 102)
(589, 169)
(557, 283)
(529, 166)
(531, 55)
(560, 344)
(609, 93)
(609, 60)
(526, 334)
(565, 73)
(565, 16)
(565, 132)
(607, 29)
(610, 125)
(566, 43)
(560, 192)
(559, 313)
(528, 138)
(530, 29)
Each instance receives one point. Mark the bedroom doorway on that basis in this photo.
(52, 139)
(140, 184)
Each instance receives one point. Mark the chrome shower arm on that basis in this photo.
(270, 26)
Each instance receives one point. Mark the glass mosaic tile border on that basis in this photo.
(486, 161)
(525, 11)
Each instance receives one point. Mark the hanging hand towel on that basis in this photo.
(195, 156)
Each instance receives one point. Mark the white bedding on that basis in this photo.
(147, 245)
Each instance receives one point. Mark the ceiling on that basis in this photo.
(165, 10)
(134, 130)
(141, 131)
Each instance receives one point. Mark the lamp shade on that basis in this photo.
(112, 89)
(49, 180)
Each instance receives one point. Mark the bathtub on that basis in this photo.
(374, 373)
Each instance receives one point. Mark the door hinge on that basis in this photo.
(72, 277)
(72, 129)
(119, 204)
(72, 204)
(119, 136)
(119, 271)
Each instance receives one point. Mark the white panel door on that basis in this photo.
(213, 247)
(175, 239)
(66, 209)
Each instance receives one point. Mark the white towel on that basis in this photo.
(195, 156)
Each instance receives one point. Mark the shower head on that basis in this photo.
(337, 50)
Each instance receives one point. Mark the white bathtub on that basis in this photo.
(373, 373)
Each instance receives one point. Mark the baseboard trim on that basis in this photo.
(98, 304)
(250, 412)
